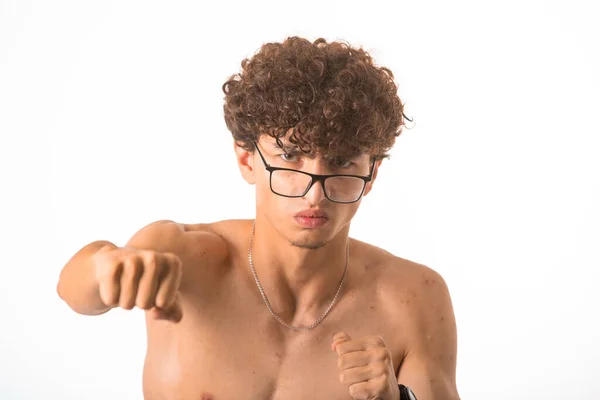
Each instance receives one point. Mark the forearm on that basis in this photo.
(77, 284)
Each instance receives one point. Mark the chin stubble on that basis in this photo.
(309, 246)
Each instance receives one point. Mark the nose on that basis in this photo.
(315, 194)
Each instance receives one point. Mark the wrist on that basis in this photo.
(393, 393)
(406, 393)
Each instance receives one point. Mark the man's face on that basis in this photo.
(312, 220)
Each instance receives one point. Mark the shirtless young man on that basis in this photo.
(285, 306)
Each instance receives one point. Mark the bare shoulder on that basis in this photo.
(157, 236)
(401, 273)
(212, 240)
(179, 238)
(199, 246)
(230, 234)
(415, 290)
(418, 304)
(394, 269)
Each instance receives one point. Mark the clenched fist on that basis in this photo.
(147, 279)
(366, 367)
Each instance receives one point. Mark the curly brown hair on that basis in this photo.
(330, 98)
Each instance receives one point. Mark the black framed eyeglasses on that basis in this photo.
(339, 188)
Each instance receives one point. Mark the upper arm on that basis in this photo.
(157, 236)
(198, 250)
(429, 366)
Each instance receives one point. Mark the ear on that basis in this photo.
(372, 181)
(245, 160)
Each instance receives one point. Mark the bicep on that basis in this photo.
(427, 380)
(156, 236)
(429, 367)
(199, 250)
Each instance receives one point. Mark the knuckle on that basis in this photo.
(382, 353)
(110, 302)
(126, 304)
(376, 341)
(379, 369)
(160, 302)
(353, 391)
(145, 299)
(382, 381)
(173, 263)
(107, 269)
(144, 303)
(344, 378)
(108, 294)
(151, 261)
(388, 354)
(370, 342)
(356, 390)
(102, 255)
(140, 306)
(178, 266)
(162, 299)
(130, 266)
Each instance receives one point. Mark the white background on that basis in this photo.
(111, 118)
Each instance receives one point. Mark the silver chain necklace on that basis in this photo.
(266, 300)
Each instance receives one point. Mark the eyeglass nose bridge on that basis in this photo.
(314, 178)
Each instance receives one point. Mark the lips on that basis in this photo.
(311, 214)
(311, 219)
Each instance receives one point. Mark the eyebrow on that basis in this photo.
(286, 147)
(292, 148)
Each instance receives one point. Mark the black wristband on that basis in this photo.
(406, 393)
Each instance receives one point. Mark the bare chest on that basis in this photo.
(235, 348)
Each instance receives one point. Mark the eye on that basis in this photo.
(342, 164)
(289, 157)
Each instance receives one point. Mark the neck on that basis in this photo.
(300, 282)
